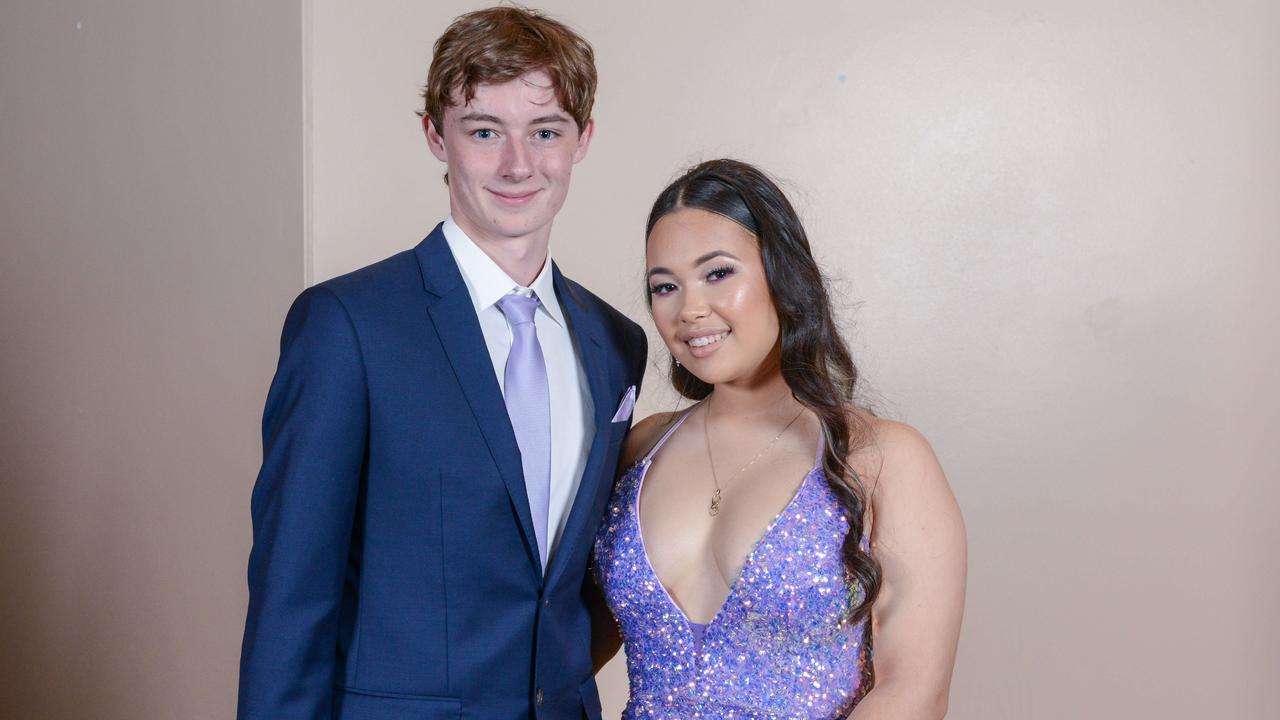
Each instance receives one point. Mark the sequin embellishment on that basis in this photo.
(780, 646)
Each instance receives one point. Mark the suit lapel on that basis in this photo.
(588, 335)
(455, 321)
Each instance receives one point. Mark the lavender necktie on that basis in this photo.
(529, 407)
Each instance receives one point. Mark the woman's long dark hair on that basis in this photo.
(816, 363)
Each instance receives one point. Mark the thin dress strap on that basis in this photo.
(649, 455)
(822, 447)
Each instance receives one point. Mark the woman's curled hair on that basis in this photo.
(816, 363)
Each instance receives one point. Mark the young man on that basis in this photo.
(442, 432)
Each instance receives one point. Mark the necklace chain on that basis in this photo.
(713, 509)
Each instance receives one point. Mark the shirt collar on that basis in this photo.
(487, 283)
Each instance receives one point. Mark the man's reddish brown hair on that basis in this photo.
(500, 44)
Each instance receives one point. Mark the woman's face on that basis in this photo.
(709, 296)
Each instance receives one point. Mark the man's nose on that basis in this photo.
(517, 162)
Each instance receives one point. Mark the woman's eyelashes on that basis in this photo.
(661, 288)
(719, 273)
(714, 275)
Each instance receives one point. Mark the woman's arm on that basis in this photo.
(918, 536)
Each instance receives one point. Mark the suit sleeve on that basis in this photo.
(314, 432)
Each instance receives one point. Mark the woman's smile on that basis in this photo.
(704, 345)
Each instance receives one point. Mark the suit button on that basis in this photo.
(546, 603)
(538, 697)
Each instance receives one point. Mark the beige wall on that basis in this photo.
(1060, 221)
(150, 241)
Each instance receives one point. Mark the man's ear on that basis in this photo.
(584, 140)
(434, 141)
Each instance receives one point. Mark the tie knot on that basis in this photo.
(518, 309)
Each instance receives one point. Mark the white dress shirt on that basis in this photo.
(572, 423)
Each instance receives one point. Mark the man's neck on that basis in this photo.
(521, 258)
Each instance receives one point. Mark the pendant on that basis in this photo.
(714, 509)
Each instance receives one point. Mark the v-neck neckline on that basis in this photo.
(645, 463)
(733, 586)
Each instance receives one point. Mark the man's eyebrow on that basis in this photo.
(485, 117)
(713, 254)
(480, 117)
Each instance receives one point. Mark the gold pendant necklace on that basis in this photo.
(713, 509)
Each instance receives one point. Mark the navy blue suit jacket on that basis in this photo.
(394, 571)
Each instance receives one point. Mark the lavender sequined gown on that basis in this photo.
(779, 647)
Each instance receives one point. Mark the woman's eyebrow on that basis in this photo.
(714, 253)
(701, 259)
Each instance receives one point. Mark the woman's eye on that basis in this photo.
(720, 273)
(661, 288)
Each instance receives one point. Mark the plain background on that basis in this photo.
(1053, 229)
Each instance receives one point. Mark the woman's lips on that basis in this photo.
(703, 346)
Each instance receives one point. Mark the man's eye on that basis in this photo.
(482, 134)
(547, 134)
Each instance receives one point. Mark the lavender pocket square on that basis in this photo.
(628, 404)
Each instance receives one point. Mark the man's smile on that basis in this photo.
(514, 199)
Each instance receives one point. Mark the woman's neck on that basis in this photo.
(764, 393)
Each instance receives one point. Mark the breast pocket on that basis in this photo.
(617, 431)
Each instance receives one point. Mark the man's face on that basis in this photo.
(509, 153)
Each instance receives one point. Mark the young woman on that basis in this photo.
(763, 541)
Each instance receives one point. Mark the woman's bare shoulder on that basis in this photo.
(644, 434)
(893, 453)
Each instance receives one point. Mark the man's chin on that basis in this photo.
(515, 226)
(509, 233)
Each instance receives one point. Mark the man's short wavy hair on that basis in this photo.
(499, 44)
